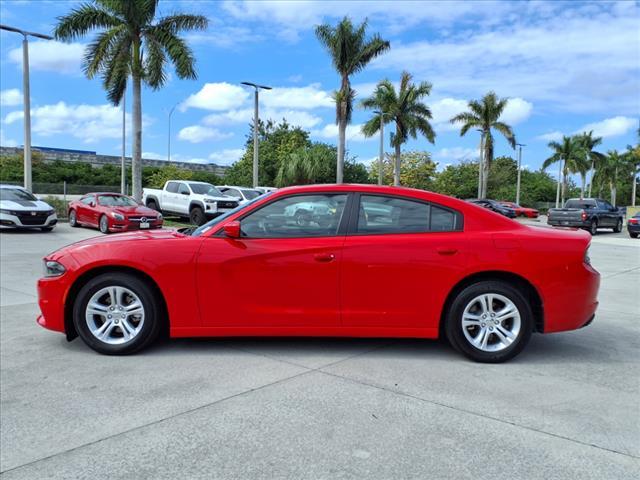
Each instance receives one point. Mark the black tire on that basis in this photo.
(46, 229)
(593, 227)
(197, 216)
(152, 313)
(618, 227)
(103, 224)
(153, 205)
(454, 329)
(633, 234)
(73, 219)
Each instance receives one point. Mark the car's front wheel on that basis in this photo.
(618, 227)
(197, 216)
(117, 314)
(593, 227)
(73, 218)
(104, 224)
(489, 322)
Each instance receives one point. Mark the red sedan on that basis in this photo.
(367, 261)
(522, 211)
(112, 212)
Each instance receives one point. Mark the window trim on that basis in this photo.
(352, 228)
(342, 226)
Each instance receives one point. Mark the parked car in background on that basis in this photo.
(266, 189)
(20, 209)
(197, 201)
(520, 210)
(242, 194)
(112, 212)
(431, 265)
(494, 206)
(588, 213)
(633, 225)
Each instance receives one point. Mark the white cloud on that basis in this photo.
(153, 155)
(551, 136)
(308, 97)
(51, 56)
(610, 127)
(198, 133)
(516, 111)
(330, 131)
(227, 156)
(225, 36)
(444, 110)
(293, 117)
(217, 96)
(456, 153)
(11, 97)
(87, 122)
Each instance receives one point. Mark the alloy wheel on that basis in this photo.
(115, 315)
(491, 322)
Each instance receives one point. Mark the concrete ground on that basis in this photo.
(568, 407)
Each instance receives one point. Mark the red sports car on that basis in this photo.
(112, 212)
(367, 261)
(522, 211)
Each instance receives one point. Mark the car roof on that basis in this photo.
(15, 187)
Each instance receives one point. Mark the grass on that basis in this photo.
(175, 222)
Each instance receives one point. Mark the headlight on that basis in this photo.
(53, 269)
(51, 212)
(159, 216)
(208, 200)
(117, 216)
(8, 212)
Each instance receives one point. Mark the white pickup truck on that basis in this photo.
(198, 201)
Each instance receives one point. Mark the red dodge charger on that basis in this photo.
(112, 212)
(328, 260)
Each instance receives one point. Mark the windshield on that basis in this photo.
(116, 201)
(205, 189)
(579, 204)
(16, 195)
(250, 194)
(212, 223)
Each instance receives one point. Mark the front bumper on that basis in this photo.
(125, 226)
(24, 221)
(51, 299)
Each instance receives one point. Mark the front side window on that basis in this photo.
(87, 200)
(205, 189)
(381, 214)
(250, 194)
(183, 189)
(316, 215)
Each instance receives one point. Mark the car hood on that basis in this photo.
(25, 205)
(135, 210)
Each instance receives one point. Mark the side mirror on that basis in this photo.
(232, 229)
(184, 193)
(92, 204)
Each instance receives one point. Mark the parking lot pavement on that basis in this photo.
(568, 407)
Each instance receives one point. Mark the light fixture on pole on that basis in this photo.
(169, 132)
(27, 98)
(520, 145)
(255, 127)
(381, 158)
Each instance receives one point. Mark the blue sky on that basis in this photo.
(566, 67)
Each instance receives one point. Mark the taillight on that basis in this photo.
(584, 215)
(587, 258)
(633, 221)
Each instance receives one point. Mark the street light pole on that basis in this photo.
(255, 127)
(123, 171)
(169, 132)
(381, 158)
(520, 145)
(480, 164)
(26, 98)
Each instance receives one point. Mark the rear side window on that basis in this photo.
(381, 214)
(583, 204)
(172, 187)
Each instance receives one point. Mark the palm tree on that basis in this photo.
(633, 159)
(589, 142)
(484, 115)
(613, 165)
(350, 52)
(570, 155)
(131, 44)
(405, 108)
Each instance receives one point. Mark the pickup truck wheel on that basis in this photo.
(153, 205)
(489, 322)
(117, 314)
(593, 228)
(618, 227)
(196, 216)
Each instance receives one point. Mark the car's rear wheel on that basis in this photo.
(633, 234)
(618, 227)
(117, 314)
(196, 216)
(593, 227)
(104, 224)
(73, 218)
(489, 322)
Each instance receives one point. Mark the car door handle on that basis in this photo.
(446, 250)
(324, 257)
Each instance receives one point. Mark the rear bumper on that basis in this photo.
(569, 223)
(633, 228)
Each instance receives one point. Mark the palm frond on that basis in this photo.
(82, 20)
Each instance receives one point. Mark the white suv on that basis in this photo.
(20, 209)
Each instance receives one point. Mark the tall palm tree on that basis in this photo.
(633, 159)
(405, 108)
(613, 165)
(589, 142)
(130, 43)
(484, 115)
(571, 157)
(350, 52)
